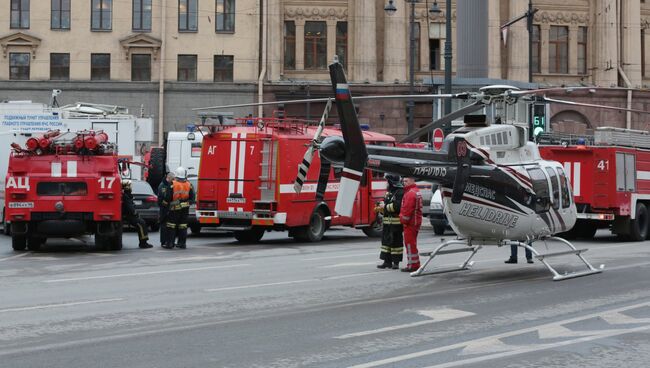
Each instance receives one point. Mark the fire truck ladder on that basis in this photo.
(268, 170)
(572, 250)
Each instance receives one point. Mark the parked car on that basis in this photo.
(425, 188)
(436, 214)
(146, 203)
(192, 222)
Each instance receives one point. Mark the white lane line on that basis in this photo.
(335, 257)
(434, 316)
(14, 257)
(253, 286)
(514, 349)
(60, 305)
(144, 273)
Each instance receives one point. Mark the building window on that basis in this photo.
(188, 15)
(186, 68)
(60, 14)
(558, 50)
(416, 35)
(141, 67)
(100, 66)
(59, 66)
(290, 45)
(101, 15)
(315, 45)
(582, 50)
(537, 50)
(20, 14)
(19, 66)
(225, 15)
(342, 42)
(142, 15)
(434, 54)
(223, 68)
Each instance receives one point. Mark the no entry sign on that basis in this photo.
(438, 138)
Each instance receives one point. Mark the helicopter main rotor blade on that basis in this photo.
(303, 168)
(444, 120)
(428, 97)
(584, 104)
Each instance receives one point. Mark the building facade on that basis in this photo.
(165, 57)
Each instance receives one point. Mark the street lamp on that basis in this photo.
(390, 9)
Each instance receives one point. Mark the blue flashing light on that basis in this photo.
(190, 127)
(365, 127)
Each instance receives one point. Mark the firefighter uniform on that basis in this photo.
(392, 241)
(180, 197)
(411, 217)
(164, 189)
(131, 217)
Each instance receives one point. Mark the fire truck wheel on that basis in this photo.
(157, 166)
(374, 230)
(196, 229)
(19, 242)
(249, 236)
(35, 242)
(639, 226)
(314, 231)
(114, 242)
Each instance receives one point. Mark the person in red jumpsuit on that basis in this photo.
(411, 217)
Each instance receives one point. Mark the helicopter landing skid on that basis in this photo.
(466, 265)
(573, 250)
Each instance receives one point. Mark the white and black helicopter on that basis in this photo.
(497, 190)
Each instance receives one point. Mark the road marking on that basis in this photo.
(435, 315)
(494, 342)
(335, 257)
(14, 257)
(253, 286)
(144, 273)
(350, 264)
(60, 305)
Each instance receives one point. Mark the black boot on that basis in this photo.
(511, 260)
(529, 260)
(145, 245)
(384, 265)
(395, 266)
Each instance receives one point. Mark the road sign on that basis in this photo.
(438, 138)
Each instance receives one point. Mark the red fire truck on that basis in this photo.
(246, 178)
(64, 185)
(610, 175)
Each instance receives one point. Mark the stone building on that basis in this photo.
(213, 52)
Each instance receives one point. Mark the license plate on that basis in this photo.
(137, 202)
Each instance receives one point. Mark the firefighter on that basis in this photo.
(179, 199)
(164, 189)
(411, 217)
(131, 217)
(392, 239)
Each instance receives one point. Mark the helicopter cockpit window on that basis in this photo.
(540, 186)
(566, 193)
(555, 186)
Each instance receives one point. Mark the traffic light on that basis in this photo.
(538, 119)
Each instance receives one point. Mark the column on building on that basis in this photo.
(275, 39)
(300, 44)
(517, 44)
(631, 41)
(395, 46)
(605, 48)
(573, 49)
(363, 62)
(494, 39)
(331, 39)
(544, 33)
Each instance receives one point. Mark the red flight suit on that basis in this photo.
(411, 217)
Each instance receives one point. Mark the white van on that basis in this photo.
(184, 149)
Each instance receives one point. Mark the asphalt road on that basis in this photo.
(287, 304)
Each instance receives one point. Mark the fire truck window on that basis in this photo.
(620, 171)
(564, 186)
(540, 186)
(630, 173)
(555, 186)
(62, 188)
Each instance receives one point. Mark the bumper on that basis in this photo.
(229, 220)
(150, 216)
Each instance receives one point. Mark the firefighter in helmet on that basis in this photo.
(164, 189)
(131, 217)
(392, 232)
(179, 200)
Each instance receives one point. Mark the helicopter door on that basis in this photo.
(541, 200)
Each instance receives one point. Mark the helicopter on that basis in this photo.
(497, 190)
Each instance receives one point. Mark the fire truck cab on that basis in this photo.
(246, 182)
(610, 176)
(64, 186)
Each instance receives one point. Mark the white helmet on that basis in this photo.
(181, 173)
